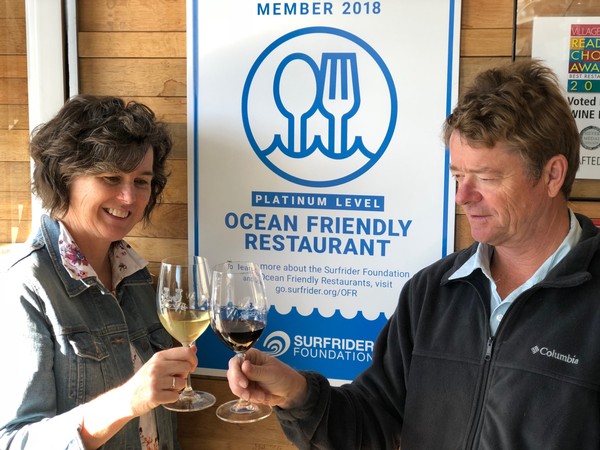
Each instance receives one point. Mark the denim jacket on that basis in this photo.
(66, 341)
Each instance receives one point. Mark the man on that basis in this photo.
(493, 347)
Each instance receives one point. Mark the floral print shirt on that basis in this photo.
(124, 262)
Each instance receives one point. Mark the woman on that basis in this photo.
(82, 342)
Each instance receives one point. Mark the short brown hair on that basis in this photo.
(522, 105)
(92, 135)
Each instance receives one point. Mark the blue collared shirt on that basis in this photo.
(481, 260)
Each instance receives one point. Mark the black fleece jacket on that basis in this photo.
(439, 380)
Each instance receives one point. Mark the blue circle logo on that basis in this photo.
(319, 117)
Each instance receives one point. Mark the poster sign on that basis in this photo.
(571, 47)
(316, 151)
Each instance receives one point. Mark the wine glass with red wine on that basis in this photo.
(238, 316)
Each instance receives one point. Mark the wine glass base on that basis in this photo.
(195, 401)
(252, 412)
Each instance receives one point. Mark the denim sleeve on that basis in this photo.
(28, 417)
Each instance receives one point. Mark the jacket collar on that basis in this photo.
(48, 235)
(572, 269)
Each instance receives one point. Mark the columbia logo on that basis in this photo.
(551, 353)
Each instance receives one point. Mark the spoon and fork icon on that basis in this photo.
(332, 89)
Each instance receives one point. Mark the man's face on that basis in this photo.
(504, 206)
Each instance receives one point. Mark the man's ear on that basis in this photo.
(554, 174)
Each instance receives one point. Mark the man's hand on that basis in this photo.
(264, 379)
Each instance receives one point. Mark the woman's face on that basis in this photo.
(105, 207)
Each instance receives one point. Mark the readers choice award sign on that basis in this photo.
(315, 150)
(571, 46)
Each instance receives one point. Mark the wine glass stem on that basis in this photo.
(240, 357)
(241, 403)
(188, 381)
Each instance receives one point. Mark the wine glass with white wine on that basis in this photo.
(182, 296)
(238, 316)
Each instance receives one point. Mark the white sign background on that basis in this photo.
(551, 42)
(405, 196)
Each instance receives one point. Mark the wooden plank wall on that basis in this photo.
(137, 49)
(486, 41)
(15, 198)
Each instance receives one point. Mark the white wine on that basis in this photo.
(185, 326)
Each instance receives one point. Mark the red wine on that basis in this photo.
(239, 335)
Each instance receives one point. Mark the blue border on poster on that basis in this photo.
(220, 351)
(449, 100)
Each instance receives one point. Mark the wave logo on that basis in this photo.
(277, 343)
(319, 107)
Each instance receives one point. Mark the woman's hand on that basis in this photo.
(157, 382)
(161, 379)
